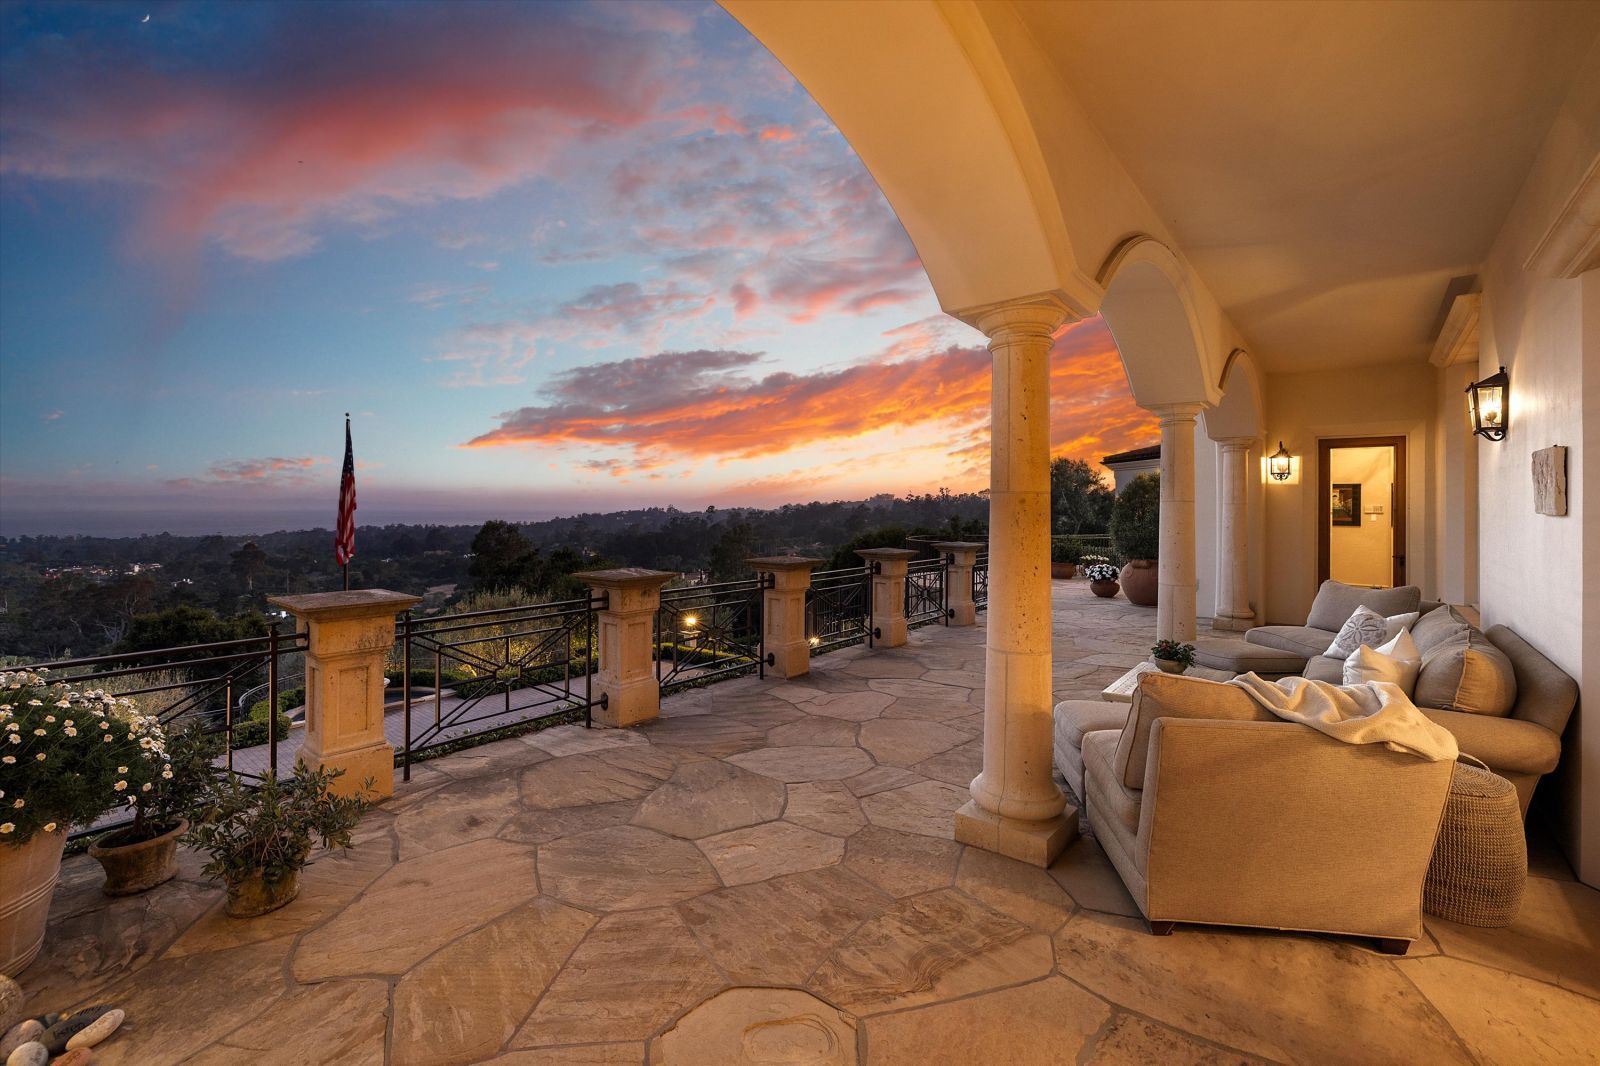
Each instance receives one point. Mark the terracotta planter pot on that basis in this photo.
(1062, 571)
(140, 866)
(1169, 666)
(255, 895)
(1104, 589)
(28, 874)
(1140, 582)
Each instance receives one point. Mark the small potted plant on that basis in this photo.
(163, 786)
(1172, 657)
(66, 756)
(1063, 558)
(260, 837)
(1102, 579)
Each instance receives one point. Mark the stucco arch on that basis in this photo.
(1239, 412)
(1151, 313)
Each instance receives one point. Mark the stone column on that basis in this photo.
(1233, 570)
(783, 613)
(626, 675)
(960, 558)
(348, 639)
(888, 593)
(1175, 609)
(1016, 807)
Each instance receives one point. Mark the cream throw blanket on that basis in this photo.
(1376, 712)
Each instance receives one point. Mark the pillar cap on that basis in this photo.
(887, 553)
(351, 603)
(960, 545)
(625, 577)
(784, 562)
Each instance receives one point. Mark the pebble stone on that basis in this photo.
(55, 1038)
(10, 1003)
(96, 1030)
(76, 1057)
(32, 1053)
(19, 1034)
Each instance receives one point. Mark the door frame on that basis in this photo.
(1397, 501)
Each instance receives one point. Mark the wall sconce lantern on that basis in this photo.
(1490, 400)
(1280, 464)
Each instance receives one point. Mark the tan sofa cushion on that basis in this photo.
(1325, 668)
(1177, 696)
(1337, 601)
(1469, 674)
(1302, 640)
(1508, 745)
(1074, 719)
(1100, 781)
(1438, 626)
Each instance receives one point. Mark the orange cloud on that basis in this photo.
(705, 404)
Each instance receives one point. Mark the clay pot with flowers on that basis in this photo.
(161, 789)
(1102, 579)
(66, 756)
(1172, 657)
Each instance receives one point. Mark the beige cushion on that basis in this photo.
(1073, 719)
(1508, 745)
(1438, 626)
(1325, 668)
(1243, 658)
(1110, 795)
(1177, 696)
(1367, 627)
(1466, 673)
(1336, 601)
(1302, 640)
(1397, 662)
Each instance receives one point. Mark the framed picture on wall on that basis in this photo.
(1344, 507)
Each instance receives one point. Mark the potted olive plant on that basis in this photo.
(66, 756)
(1172, 657)
(260, 836)
(163, 786)
(1136, 532)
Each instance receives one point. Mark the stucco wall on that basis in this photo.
(1395, 399)
(1455, 495)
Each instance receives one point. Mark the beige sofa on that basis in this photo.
(1213, 811)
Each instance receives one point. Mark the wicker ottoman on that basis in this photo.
(1480, 861)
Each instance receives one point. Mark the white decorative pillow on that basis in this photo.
(1367, 627)
(1397, 662)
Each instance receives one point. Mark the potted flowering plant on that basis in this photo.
(1102, 579)
(163, 786)
(66, 757)
(259, 837)
(1172, 657)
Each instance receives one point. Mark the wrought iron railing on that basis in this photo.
(707, 632)
(198, 686)
(980, 581)
(839, 608)
(926, 601)
(463, 675)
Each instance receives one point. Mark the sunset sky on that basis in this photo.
(550, 257)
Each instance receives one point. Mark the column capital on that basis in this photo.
(1177, 413)
(782, 563)
(1237, 444)
(892, 560)
(964, 551)
(351, 603)
(1036, 316)
(625, 577)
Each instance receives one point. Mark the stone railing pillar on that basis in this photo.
(960, 557)
(783, 613)
(1233, 610)
(348, 639)
(1016, 807)
(1177, 577)
(626, 674)
(888, 593)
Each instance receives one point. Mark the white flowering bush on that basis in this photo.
(68, 756)
(1101, 572)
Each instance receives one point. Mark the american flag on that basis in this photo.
(344, 541)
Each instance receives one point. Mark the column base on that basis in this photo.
(891, 634)
(630, 704)
(791, 660)
(1035, 843)
(1233, 623)
(963, 614)
(374, 763)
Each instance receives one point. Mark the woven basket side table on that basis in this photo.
(1480, 861)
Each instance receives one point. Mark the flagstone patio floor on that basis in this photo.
(767, 874)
